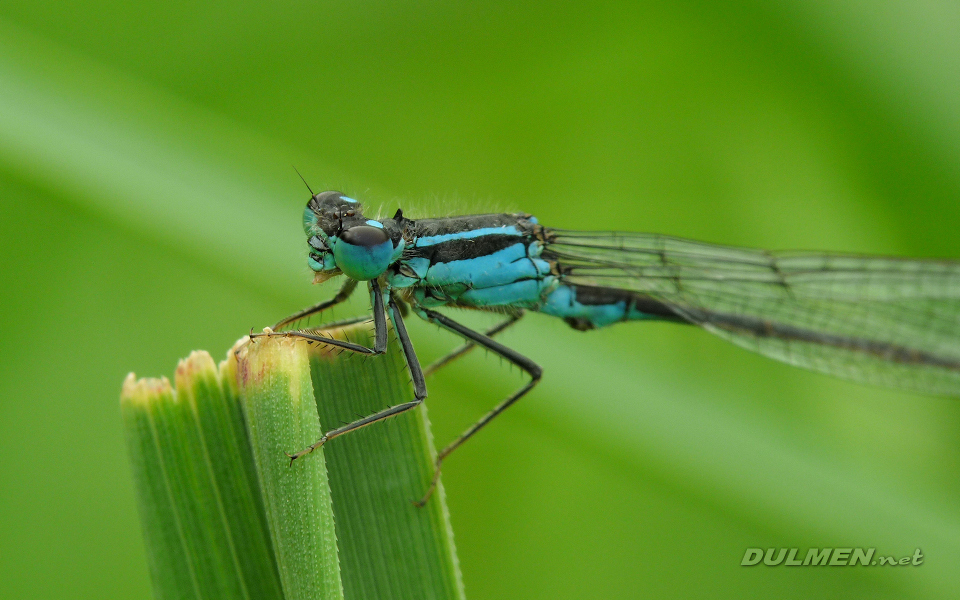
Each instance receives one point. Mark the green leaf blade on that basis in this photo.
(281, 415)
(205, 537)
(226, 515)
(219, 418)
(172, 574)
(389, 548)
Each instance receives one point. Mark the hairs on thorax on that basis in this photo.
(432, 206)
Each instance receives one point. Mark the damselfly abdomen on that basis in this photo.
(885, 321)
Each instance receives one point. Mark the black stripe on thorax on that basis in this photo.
(452, 250)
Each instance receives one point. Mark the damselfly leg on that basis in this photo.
(379, 323)
(478, 339)
(416, 373)
(467, 347)
(472, 338)
(340, 323)
(348, 287)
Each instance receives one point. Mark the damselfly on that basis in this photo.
(885, 321)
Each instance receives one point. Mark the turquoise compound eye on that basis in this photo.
(363, 252)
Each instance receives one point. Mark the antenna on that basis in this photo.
(304, 181)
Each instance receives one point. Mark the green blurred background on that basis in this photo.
(149, 208)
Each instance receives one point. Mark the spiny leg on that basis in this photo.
(475, 337)
(316, 331)
(340, 323)
(467, 347)
(379, 347)
(379, 319)
(379, 323)
(413, 363)
(345, 291)
(419, 388)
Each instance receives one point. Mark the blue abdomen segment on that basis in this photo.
(585, 307)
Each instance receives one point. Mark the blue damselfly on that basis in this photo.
(885, 321)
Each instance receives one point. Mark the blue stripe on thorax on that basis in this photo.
(430, 240)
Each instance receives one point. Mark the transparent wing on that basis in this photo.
(885, 321)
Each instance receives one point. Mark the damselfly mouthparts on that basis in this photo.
(885, 321)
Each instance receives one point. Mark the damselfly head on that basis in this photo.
(324, 217)
(342, 240)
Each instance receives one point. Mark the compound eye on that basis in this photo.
(363, 252)
(364, 235)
